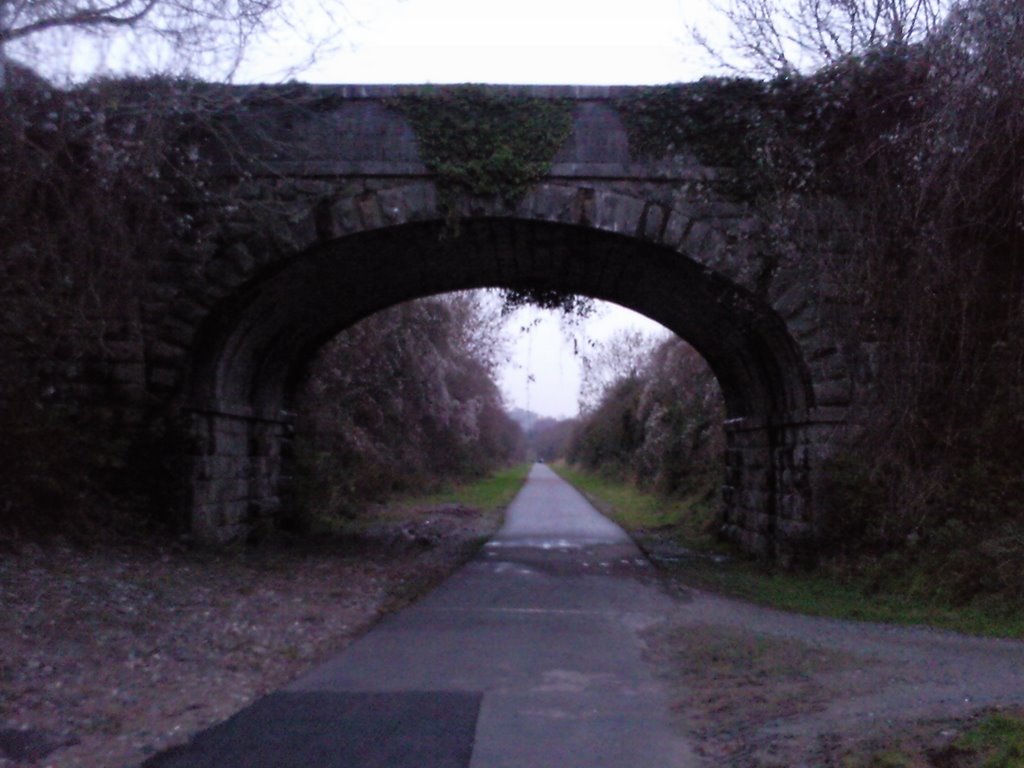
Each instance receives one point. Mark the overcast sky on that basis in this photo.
(501, 41)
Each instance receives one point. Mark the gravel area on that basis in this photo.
(756, 687)
(111, 653)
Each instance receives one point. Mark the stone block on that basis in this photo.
(128, 351)
(342, 218)
(829, 368)
(298, 232)
(176, 331)
(206, 523)
(797, 505)
(756, 544)
(761, 523)
(419, 201)
(216, 492)
(619, 213)
(731, 533)
(163, 292)
(654, 223)
(792, 530)
(225, 273)
(551, 202)
(232, 514)
(804, 325)
(129, 376)
(190, 310)
(833, 392)
(228, 443)
(241, 257)
(162, 378)
(585, 206)
(371, 216)
(221, 466)
(694, 239)
(394, 206)
(676, 228)
(793, 300)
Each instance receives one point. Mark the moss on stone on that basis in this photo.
(484, 143)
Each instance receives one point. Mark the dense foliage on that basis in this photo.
(658, 426)
(926, 252)
(404, 400)
(481, 143)
(899, 170)
(84, 180)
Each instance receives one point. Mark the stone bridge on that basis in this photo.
(335, 215)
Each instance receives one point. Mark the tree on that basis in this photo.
(623, 355)
(913, 137)
(406, 398)
(658, 423)
(780, 37)
(211, 36)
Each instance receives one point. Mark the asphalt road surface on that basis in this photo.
(528, 657)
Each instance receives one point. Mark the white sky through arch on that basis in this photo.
(543, 373)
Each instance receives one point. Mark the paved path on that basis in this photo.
(528, 657)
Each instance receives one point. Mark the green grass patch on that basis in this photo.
(687, 520)
(495, 491)
(651, 519)
(487, 495)
(995, 742)
(821, 594)
(891, 759)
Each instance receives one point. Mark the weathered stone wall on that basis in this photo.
(235, 476)
(770, 492)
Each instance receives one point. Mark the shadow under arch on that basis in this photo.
(250, 351)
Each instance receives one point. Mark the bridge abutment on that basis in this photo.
(773, 468)
(235, 460)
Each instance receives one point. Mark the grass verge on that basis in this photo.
(998, 740)
(656, 522)
(993, 740)
(489, 493)
(683, 521)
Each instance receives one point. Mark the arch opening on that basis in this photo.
(251, 351)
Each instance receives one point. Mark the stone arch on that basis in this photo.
(249, 323)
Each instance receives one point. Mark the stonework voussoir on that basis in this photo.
(619, 213)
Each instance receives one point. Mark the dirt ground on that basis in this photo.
(755, 687)
(112, 653)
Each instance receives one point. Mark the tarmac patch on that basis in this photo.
(417, 729)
